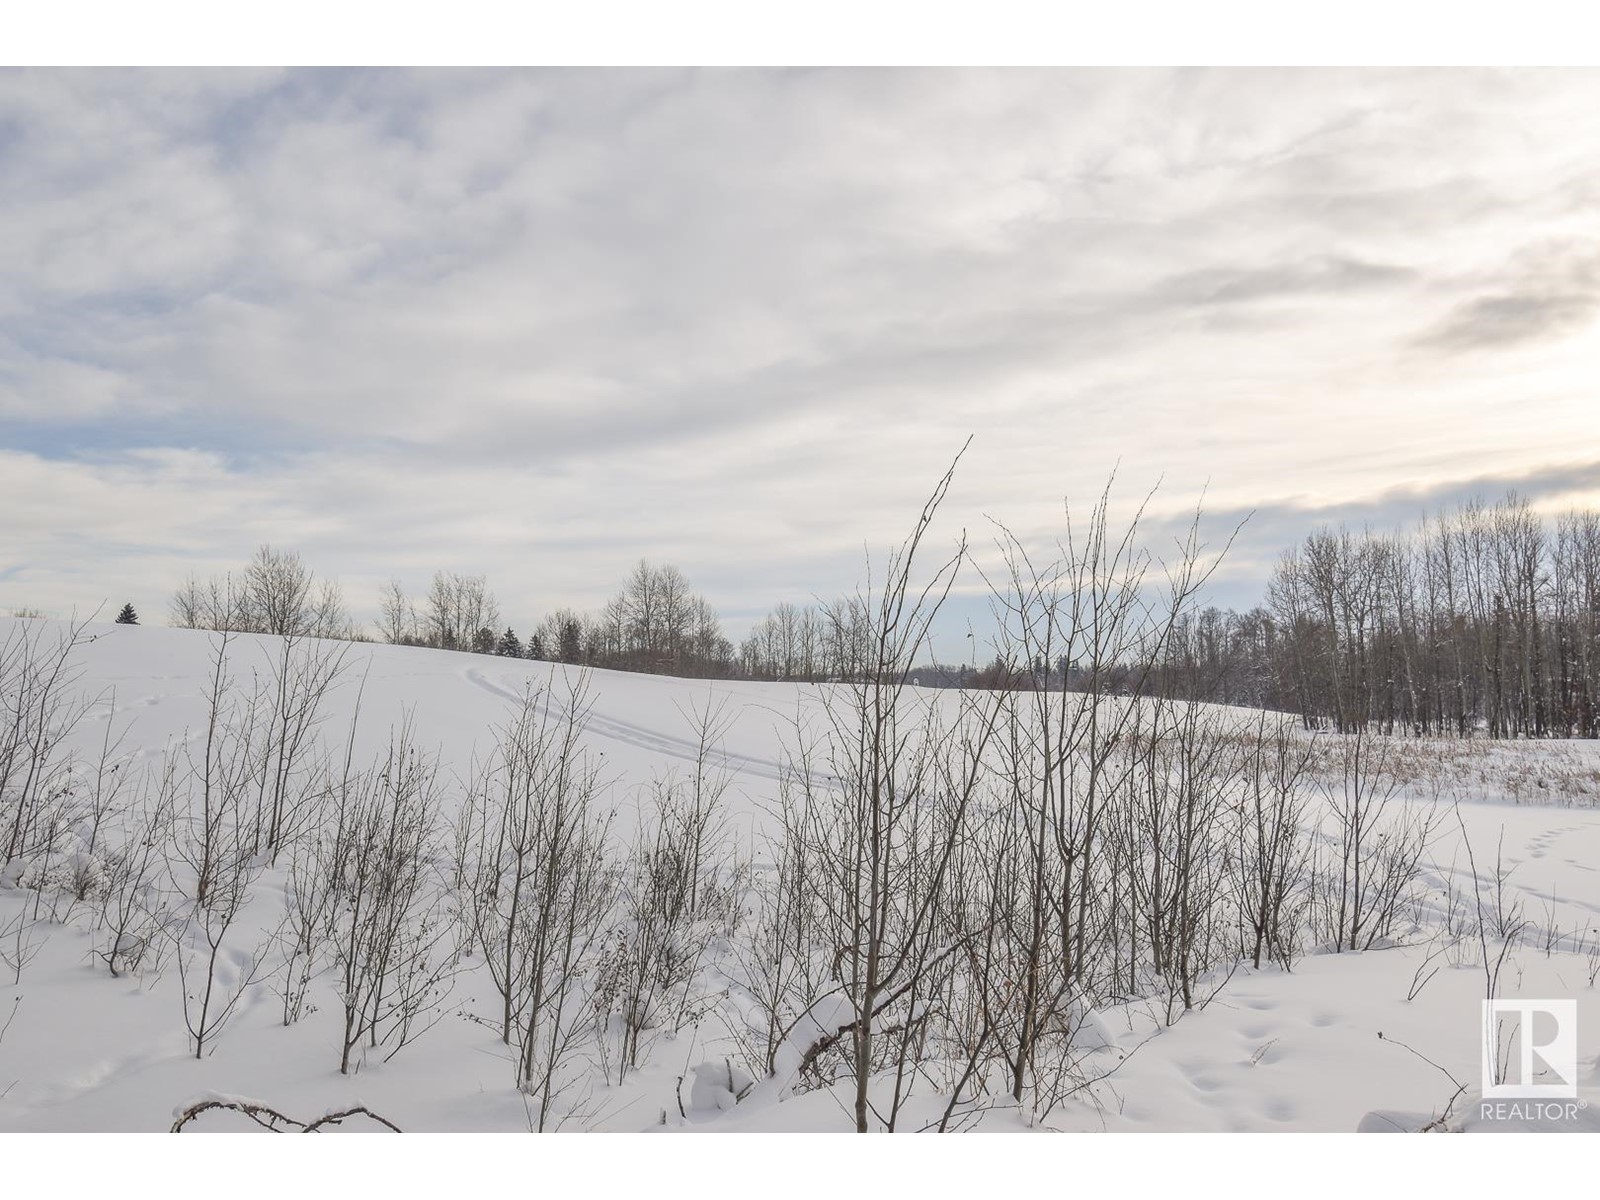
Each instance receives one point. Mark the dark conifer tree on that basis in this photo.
(571, 649)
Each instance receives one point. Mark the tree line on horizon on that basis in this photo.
(656, 622)
(1483, 619)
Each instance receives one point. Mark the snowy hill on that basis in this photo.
(99, 1015)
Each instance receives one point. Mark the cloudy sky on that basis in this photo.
(540, 324)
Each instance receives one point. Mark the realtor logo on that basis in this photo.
(1530, 1049)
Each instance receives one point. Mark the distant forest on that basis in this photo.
(655, 623)
(1485, 619)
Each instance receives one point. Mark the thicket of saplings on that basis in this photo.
(952, 883)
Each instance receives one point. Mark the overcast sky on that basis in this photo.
(540, 324)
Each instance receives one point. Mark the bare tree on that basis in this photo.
(540, 883)
(1074, 629)
(1189, 767)
(458, 606)
(658, 623)
(275, 593)
(217, 604)
(883, 820)
(1378, 843)
(397, 618)
(303, 933)
(390, 933)
(671, 888)
(39, 708)
(135, 903)
(214, 865)
(1272, 852)
(215, 841)
(780, 967)
(291, 770)
(278, 593)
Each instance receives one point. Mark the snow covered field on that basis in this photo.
(1382, 1039)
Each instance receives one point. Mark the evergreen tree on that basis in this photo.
(127, 616)
(571, 649)
(483, 642)
(536, 646)
(510, 644)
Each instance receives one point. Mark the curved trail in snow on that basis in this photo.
(629, 734)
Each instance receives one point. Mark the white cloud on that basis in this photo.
(540, 323)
